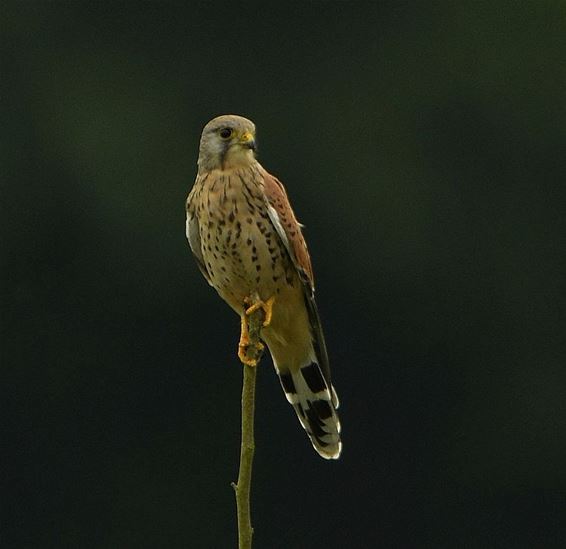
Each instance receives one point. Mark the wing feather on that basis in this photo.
(289, 230)
(193, 232)
(287, 226)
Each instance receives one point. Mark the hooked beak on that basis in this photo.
(247, 141)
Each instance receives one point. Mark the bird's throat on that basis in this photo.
(236, 157)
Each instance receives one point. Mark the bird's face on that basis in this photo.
(227, 142)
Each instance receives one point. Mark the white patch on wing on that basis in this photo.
(274, 216)
(187, 227)
(192, 235)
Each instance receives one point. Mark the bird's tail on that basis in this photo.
(315, 402)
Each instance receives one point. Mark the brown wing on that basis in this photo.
(289, 230)
(287, 227)
(193, 231)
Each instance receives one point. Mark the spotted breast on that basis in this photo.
(241, 251)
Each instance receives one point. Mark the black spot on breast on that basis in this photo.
(231, 217)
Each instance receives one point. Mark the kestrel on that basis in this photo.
(250, 248)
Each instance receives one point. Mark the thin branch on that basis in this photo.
(243, 486)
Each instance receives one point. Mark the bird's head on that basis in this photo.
(227, 141)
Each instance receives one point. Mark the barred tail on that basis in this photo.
(315, 402)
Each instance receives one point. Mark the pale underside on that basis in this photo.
(242, 254)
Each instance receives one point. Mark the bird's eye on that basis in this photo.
(225, 133)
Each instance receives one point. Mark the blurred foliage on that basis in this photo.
(424, 147)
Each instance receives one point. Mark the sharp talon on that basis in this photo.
(245, 344)
(242, 355)
(267, 307)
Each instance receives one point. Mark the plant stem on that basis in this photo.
(243, 486)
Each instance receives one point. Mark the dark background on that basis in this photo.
(424, 147)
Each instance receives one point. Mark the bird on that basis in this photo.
(250, 248)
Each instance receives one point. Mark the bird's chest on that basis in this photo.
(241, 248)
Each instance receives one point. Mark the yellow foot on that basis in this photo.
(243, 355)
(267, 307)
(245, 343)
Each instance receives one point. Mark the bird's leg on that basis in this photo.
(244, 333)
(245, 342)
(267, 307)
